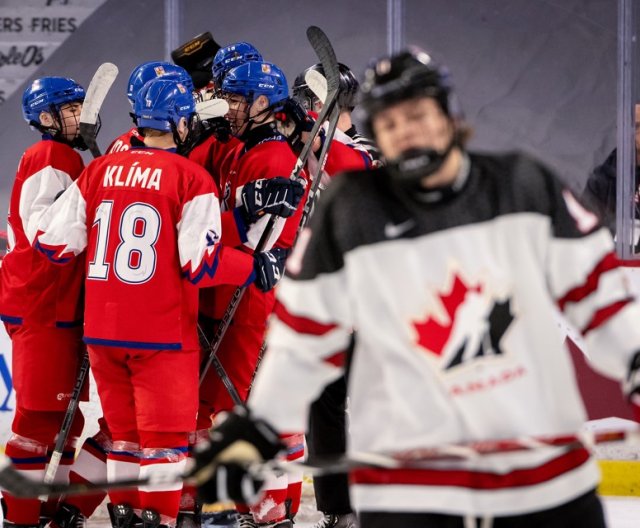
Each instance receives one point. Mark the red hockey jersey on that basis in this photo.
(215, 155)
(124, 141)
(34, 291)
(149, 219)
(265, 154)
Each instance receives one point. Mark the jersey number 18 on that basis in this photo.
(135, 257)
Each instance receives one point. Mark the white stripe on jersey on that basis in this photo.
(38, 193)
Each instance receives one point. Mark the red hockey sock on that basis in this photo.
(29, 457)
(123, 462)
(295, 451)
(163, 499)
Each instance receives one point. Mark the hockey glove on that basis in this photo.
(269, 267)
(221, 463)
(277, 196)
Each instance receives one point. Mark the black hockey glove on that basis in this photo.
(222, 463)
(269, 267)
(277, 196)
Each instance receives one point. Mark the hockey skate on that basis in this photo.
(123, 516)
(151, 519)
(67, 516)
(343, 520)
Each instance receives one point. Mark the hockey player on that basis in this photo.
(327, 424)
(449, 264)
(41, 304)
(349, 87)
(214, 152)
(140, 76)
(255, 91)
(150, 222)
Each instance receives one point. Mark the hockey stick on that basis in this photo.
(222, 373)
(21, 486)
(318, 85)
(327, 56)
(211, 108)
(63, 434)
(95, 95)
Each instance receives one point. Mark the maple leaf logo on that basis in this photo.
(434, 335)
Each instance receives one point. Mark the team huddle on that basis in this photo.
(165, 224)
(424, 284)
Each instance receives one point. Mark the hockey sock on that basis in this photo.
(29, 457)
(33, 437)
(272, 507)
(123, 462)
(91, 466)
(163, 499)
(295, 451)
(188, 498)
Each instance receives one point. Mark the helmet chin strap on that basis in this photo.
(413, 165)
(252, 120)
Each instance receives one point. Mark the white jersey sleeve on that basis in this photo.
(61, 232)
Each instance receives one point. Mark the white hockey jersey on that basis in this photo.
(456, 339)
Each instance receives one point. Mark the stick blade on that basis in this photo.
(324, 50)
(212, 108)
(317, 83)
(97, 91)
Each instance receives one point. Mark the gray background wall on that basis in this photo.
(538, 75)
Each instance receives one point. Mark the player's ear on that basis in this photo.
(46, 119)
(262, 102)
(183, 128)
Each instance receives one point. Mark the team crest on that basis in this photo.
(181, 88)
(159, 71)
(266, 68)
(468, 323)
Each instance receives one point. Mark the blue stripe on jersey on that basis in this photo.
(206, 269)
(240, 224)
(365, 156)
(29, 460)
(68, 324)
(131, 344)
(50, 253)
(10, 319)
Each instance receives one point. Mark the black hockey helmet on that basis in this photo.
(409, 74)
(348, 88)
(196, 56)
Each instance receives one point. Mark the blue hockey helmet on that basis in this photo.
(253, 79)
(47, 94)
(231, 56)
(142, 74)
(162, 102)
